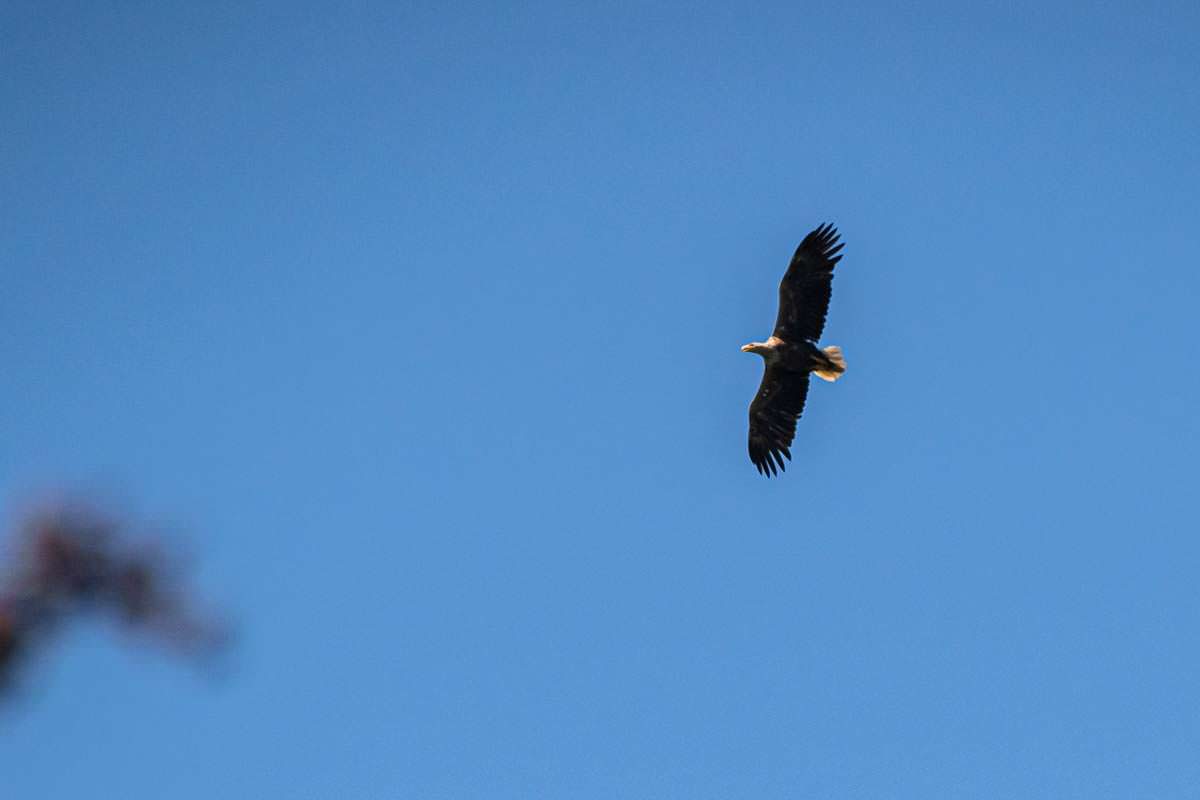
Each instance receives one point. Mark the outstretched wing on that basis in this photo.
(807, 285)
(773, 415)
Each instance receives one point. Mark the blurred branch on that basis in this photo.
(71, 560)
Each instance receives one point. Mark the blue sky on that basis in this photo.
(421, 324)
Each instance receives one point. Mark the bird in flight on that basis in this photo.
(791, 353)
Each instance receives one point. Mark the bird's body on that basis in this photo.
(791, 354)
(802, 356)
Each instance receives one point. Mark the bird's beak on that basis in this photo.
(746, 348)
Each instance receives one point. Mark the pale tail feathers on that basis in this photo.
(837, 363)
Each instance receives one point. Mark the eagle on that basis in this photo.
(791, 354)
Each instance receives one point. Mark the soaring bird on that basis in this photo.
(791, 353)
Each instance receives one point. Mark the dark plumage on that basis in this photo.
(792, 354)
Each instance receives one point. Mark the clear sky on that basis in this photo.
(421, 323)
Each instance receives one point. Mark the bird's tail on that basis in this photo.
(836, 364)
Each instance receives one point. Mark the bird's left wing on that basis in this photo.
(807, 286)
(773, 415)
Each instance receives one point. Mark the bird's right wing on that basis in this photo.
(773, 415)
